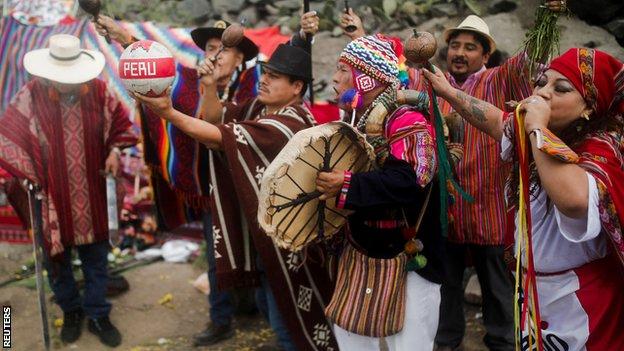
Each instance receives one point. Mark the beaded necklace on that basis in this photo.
(388, 98)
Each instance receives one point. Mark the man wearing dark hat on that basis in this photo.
(244, 139)
(232, 82)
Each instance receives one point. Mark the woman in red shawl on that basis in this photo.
(574, 120)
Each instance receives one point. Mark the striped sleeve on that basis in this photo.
(417, 148)
(512, 78)
(411, 140)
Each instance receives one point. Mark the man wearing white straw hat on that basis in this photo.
(477, 230)
(61, 131)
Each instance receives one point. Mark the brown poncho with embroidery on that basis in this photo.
(251, 140)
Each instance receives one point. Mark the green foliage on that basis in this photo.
(542, 40)
(474, 6)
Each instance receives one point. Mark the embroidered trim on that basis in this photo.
(386, 224)
(365, 83)
(556, 148)
(586, 66)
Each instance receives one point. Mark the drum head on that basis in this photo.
(289, 209)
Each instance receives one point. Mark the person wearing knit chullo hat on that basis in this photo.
(575, 125)
(387, 201)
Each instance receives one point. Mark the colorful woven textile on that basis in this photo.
(40, 12)
(555, 147)
(374, 56)
(593, 73)
(480, 172)
(16, 40)
(369, 298)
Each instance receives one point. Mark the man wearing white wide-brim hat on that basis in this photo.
(62, 129)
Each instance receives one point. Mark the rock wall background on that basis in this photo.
(593, 23)
(384, 15)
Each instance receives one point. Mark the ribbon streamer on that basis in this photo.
(526, 304)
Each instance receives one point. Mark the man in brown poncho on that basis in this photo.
(244, 139)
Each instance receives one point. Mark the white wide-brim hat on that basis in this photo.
(474, 24)
(64, 61)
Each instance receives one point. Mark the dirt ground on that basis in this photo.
(145, 324)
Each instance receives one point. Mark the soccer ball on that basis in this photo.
(147, 67)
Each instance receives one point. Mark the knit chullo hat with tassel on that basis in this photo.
(375, 60)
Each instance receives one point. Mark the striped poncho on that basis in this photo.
(179, 163)
(480, 172)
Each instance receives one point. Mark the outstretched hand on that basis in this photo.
(351, 19)
(160, 105)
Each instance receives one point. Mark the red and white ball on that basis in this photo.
(147, 67)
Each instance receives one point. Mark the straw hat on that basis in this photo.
(64, 61)
(474, 24)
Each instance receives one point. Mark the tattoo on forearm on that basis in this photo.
(471, 108)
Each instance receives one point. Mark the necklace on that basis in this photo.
(387, 98)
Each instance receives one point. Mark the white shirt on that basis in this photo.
(560, 242)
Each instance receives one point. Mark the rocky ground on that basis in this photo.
(149, 325)
(146, 324)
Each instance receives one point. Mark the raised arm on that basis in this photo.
(482, 115)
(108, 26)
(210, 106)
(200, 130)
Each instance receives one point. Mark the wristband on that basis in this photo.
(342, 198)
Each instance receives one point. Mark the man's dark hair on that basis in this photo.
(305, 84)
(497, 58)
(478, 37)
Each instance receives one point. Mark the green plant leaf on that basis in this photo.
(474, 6)
(389, 7)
